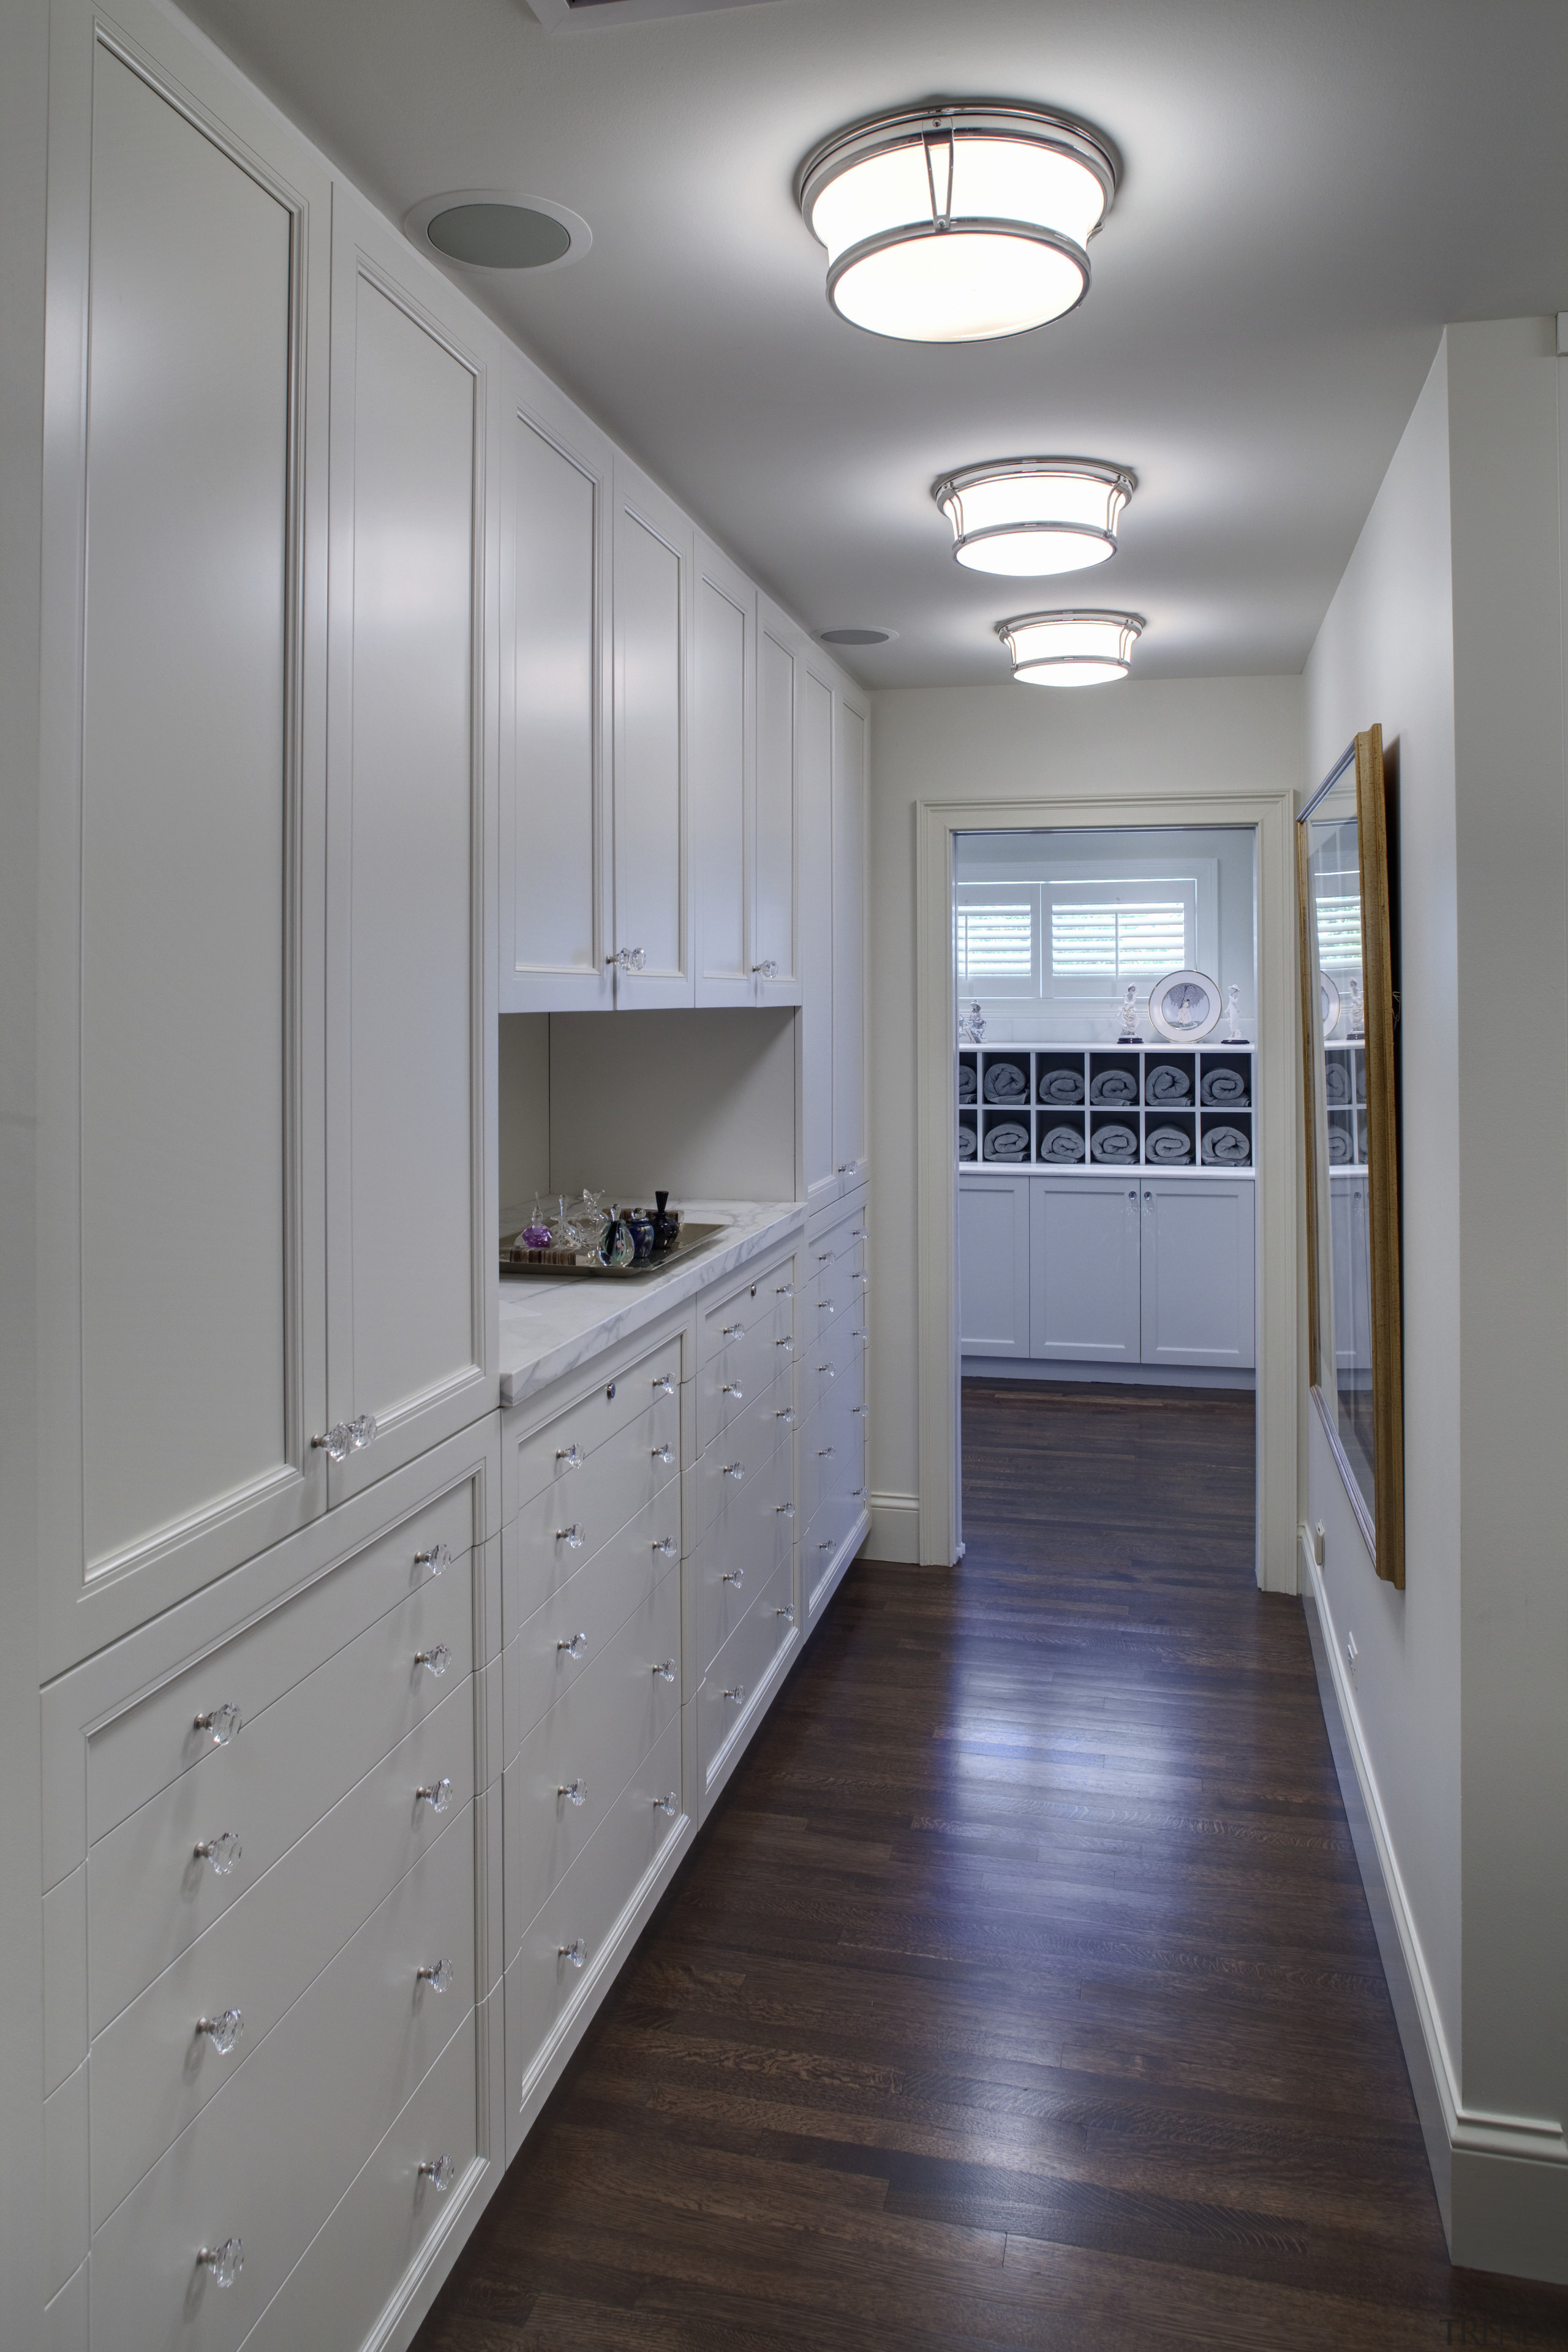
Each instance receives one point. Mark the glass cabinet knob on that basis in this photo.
(221, 2032)
(664, 1385)
(735, 1576)
(866, 1277)
(571, 1536)
(627, 959)
(362, 1431)
(440, 2173)
(437, 1558)
(787, 1342)
(223, 1852)
(827, 1545)
(667, 1547)
(734, 1388)
(768, 970)
(225, 2261)
(787, 1612)
(575, 1792)
(662, 1454)
(858, 1494)
(736, 1470)
(783, 1510)
(570, 1455)
(733, 1331)
(859, 1332)
(438, 1796)
(828, 1371)
(668, 1806)
(786, 1414)
(335, 1442)
(823, 1452)
(665, 1670)
(435, 1662)
(737, 1694)
(784, 1290)
(439, 1977)
(220, 1723)
(824, 1257)
(575, 1952)
(576, 1645)
(825, 1306)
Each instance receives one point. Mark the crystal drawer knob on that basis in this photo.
(737, 1694)
(668, 1806)
(223, 2031)
(824, 1257)
(783, 1510)
(220, 1723)
(786, 1342)
(439, 1977)
(570, 1455)
(828, 1371)
(575, 1792)
(735, 1331)
(826, 1545)
(437, 1558)
(438, 1796)
(571, 1536)
(859, 1278)
(784, 1290)
(858, 1233)
(736, 1470)
(435, 1662)
(664, 1385)
(823, 1452)
(667, 1547)
(787, 1612)
(225, 2261)
(861, 1334)
(665, 1670)
(735, 1576)
(732, 1388)
(858, 1494)
(362, 1431)
(858, 1408)
(576, 1645)
(335, 1442)
(627, 959)
(223, 1852)
(786, 1414)
(576, 1953)
(768, 970)
(825, 1306)
(440, 2173)
(662, 1454)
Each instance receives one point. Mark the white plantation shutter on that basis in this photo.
(1339, 930)
(1123, 940)
(996, 942)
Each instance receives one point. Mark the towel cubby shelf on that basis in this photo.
(1094, 1107)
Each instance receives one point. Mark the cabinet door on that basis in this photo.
(1084, 1268)
(774, 897)
(181, 1335)
(1351, 1267)
(652, 625)
(723, 778)
(1198, 1271)
(411, 1283)
(554, 694)
(849, 940)
(815, 771)
(994, 1265)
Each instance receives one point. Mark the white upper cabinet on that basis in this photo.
(554, 681)
(651, 942)
(814, 735)
(775, 952)
(182, 1368)
(850, 785)
(723, 779)
(410, 1254)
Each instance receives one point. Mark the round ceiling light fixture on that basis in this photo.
(958, 221)
(1070, 648)
(495, 228)
(1030, 516)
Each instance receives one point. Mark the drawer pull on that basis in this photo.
(223, 1852)
(825, 1306)
(736, 1470)
(734, 1388)
(786, 1414)
(823, 1452)
(435, 1662)
(737, 1694)
(575, 1647)
(857, 1232)
(571, 1454)
(861, 1334)
(827, 1545)
(859, 1408)
(665, 1670)
(783, 1510)
(438, 1559)
(787, 1612)
(786, 1342)
(768, 970)
(735, 1331)
(662, 1454)
(571, 1536)
(859, 1278)
(575, 1792)
(438, 1796)
(784, 1290)
(225, 2261)
(439, 1979)
(735, 1576)
(335, 1443)
(440, 2174)
(667, 1547)
(362, 1431)
(221, 1723)
(576, 1952)
(824, 1257)
(668, 1806)
(663, 1385)
(223, 2031)
(828, 1371)
(857, 1494)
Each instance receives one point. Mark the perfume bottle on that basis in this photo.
(666, 1225)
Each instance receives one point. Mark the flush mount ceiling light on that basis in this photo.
(494, 228)
(1070, 648)
(1030, 516)
(957, 222)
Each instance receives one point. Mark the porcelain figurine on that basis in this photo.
(1233, 1036)
(1358, 1010)
(1129, 1017)
(972, 1024)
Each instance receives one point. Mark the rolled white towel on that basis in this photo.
(1167, 1146)
(1006, 1140)
(1114, 1145)
(1062, 1143)
(1113, 1086)
(1227, 1147)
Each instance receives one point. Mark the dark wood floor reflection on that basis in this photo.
(1022, 1993)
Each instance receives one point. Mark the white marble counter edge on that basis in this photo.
(527, 1366)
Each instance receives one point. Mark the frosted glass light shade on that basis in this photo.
(1070, 648)
(1027, 516)
(957, 223)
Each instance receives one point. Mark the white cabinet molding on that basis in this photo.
(723, 780)
(651, 941)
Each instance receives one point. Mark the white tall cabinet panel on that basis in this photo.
(849, 940)
(1084, 1268)
(994, 1263)
(815, 737)
(410, 1279)
(554, 913)
(723, 779)
(777, 844)
(1198, 1271)
(180, 993)
(653, 547)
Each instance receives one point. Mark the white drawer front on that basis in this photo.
(739, 1557)
(557, 1533)
(626, 1419)
(825, 1367)
(149, 1894)
(743, 1449)
(541, 1983)
(591, 1741)
(153, 2072)
(153, 1742)
(728, 1699)
(269, 2157)
(759, 1309)
(564, 1635)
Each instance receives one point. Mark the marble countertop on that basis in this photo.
(548, 1328)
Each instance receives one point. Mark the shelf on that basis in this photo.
(1106, 1094)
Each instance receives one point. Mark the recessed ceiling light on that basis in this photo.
(1070, 648)
(863, 636)
(1030, 516)
(956, 222)
(494, 228)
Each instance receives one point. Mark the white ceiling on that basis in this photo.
(1312, 188)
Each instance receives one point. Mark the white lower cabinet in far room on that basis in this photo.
(1084, 1283)
(994, 1267)
(1198, 1278)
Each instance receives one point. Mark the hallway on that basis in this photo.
(1022, 1992)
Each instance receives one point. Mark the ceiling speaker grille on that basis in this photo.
(557, 15)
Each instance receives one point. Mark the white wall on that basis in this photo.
(701, 1104)
(1446, 630)
(1178, 738)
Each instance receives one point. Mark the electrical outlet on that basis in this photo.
(1352, 1658)
(1319, 1543)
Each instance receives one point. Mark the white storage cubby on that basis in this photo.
(1099, 1108)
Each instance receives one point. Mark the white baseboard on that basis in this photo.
(895, 1528)
(1501, 2180)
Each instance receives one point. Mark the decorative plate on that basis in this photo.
(1329, 999)
(1184, 1006)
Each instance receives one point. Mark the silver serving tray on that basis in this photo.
(690, 1240)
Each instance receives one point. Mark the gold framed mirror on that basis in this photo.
(1349, 1010)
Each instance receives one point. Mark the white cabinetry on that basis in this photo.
(1084, 1268)
(775, 934)
(850, 785)
(831, 739)
(994, 1265)
(651, 944)
(1197, 1287)
(723, 780)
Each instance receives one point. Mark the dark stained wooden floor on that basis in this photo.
(1022, 1994)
